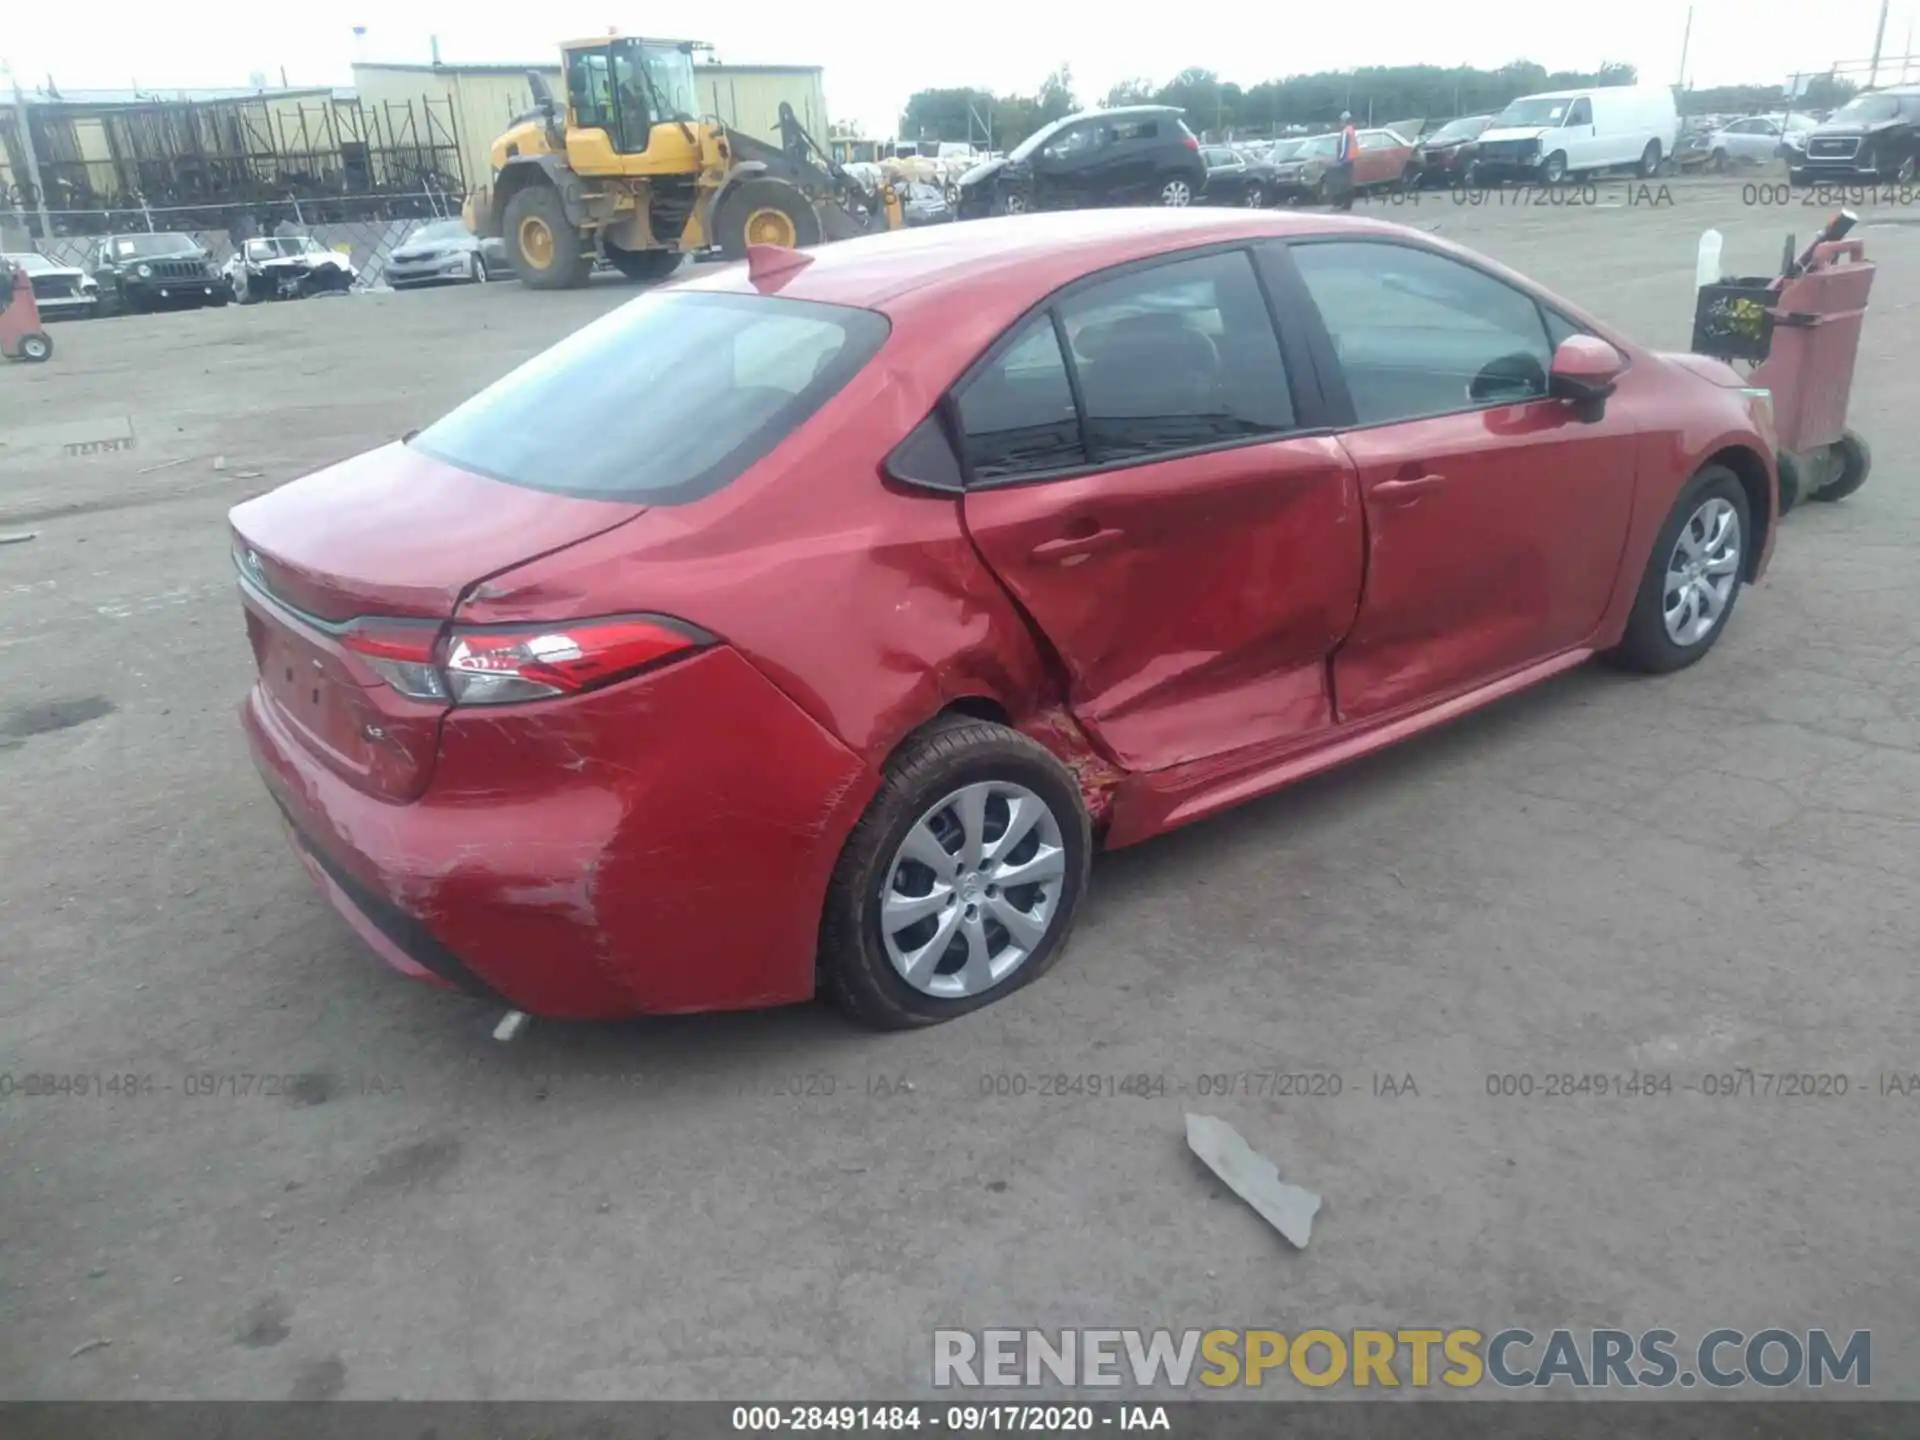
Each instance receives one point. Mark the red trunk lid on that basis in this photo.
(392, 533)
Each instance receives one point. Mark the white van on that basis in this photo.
(1574, 132)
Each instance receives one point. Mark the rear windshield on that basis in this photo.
(664, 400)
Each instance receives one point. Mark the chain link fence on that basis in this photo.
(365, 229)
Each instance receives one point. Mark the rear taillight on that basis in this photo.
(1190, 142)
(511, 664)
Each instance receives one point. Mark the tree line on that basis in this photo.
(1374, 94)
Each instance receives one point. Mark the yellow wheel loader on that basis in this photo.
(626, 171)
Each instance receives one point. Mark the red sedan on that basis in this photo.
(803, 627)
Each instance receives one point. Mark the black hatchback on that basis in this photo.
(1135, 155)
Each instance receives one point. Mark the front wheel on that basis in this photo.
(1555, 170)
(960, 883)
(36, 346)
(1176, 193)
(1253, 197)
(477, 268)
(1904, 171)
(1692, 579)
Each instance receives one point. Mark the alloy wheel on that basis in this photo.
(1702, 572)
(973, 889)
(1176, 193)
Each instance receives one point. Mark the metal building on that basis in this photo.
(484, 99)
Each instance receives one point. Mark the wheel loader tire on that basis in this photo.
(543, 245)
(643, 264)
(765, 212)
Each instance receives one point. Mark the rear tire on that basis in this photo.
(1855, 461)
(543, 245)
(764, 212)
(1649, 644)
(858, 971)
(1175, 192)
(36, 346)
(1650, 160)
(1253, 197)
(643, 264)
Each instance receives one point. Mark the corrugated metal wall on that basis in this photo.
(746, 97)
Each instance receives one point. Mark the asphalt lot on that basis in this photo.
(1690, 875)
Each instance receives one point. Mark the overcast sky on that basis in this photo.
(877, 55)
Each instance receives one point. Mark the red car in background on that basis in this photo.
(803, 627)
(1446, 156)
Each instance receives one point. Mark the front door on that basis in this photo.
(1496, 517)
(1144, 494)
(1584, 151)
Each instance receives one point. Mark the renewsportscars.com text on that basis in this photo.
(1460, 1358)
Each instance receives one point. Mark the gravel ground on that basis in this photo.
(1688, 875)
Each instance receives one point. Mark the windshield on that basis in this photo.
(1866, 110)
(1455, 130)
(1541, 110)
(1039, 137)
(151, 246)
(439, 230)
(664, 400)
(670, 71)
(32, 264)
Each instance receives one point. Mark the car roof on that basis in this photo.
(1045, 251)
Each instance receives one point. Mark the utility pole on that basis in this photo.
(1686, 39)
(1906, 55)
(1879, 35)
(33, 160)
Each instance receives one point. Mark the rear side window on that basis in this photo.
(1018, 413)
(664, 400)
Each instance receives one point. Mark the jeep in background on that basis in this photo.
(1873, 137)
(136, 273)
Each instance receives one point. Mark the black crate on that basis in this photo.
(1733, 319)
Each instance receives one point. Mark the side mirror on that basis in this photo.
(1585, 371)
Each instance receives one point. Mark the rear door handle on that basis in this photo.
(1408, 488)
(1077, 547)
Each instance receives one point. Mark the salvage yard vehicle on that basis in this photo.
(156, 271)
(627, 172)
(60, 291)
(1560, 133)
(443, 251)
(1235, 177)
(1446, 156)
(1131, 155)
(1874, 137)
(1756, 139)
(287, 267)
(1380, 163)
(1107, 523)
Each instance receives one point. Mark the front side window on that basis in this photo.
(1177, 356)
(753, 368)
(1581, 113)
(1418, 333)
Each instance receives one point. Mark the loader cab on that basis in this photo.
(624, 87)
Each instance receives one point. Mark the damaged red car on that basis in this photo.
(803, 627)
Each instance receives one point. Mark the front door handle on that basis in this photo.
(1408, 488)
(1077, 547)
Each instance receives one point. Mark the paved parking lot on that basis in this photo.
(1716, 870)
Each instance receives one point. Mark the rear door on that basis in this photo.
(1146, 475)
(1496, 517)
